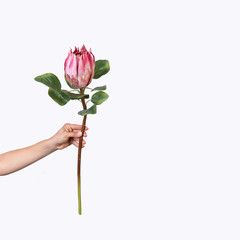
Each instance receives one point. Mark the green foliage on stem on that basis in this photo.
(55, 92)
(74, 96)
(50, 80)
(91, 110)
(100, 88)
(58, 96)
(102, 67)
(99, 97)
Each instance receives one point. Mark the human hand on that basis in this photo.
(67, 135)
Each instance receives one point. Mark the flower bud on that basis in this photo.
(79, 67)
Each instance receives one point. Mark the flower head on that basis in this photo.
(79, 67)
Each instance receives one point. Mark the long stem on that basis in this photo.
(80, 154)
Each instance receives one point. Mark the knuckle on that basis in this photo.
(66, 124)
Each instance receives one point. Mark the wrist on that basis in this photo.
(51, 144)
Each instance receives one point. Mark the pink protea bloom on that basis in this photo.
(79, 67)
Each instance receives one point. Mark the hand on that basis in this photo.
(67, 135)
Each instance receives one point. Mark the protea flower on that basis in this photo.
(79, 67)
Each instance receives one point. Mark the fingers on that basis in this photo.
(85, 134)
(76, 126)
(76, 134)
(73, 131)
(76, 143)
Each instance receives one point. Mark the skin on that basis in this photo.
(15, 160)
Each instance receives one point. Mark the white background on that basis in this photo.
(162, 154)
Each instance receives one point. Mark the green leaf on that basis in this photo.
(50, 80)
(91, 110)
(101, 67)
(100, 88)
(68, 83)
(75, 95)
(99, 97)
(58, 96)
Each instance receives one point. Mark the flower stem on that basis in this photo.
(80, 154)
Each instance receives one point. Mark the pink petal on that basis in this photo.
(67, 62)
(81, 67)
(73, 67)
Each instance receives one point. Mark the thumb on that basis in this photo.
(74, 134)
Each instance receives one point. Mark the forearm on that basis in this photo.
(15, 160)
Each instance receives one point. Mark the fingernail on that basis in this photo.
(79, 133)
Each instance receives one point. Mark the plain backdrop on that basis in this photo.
(162, 154)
